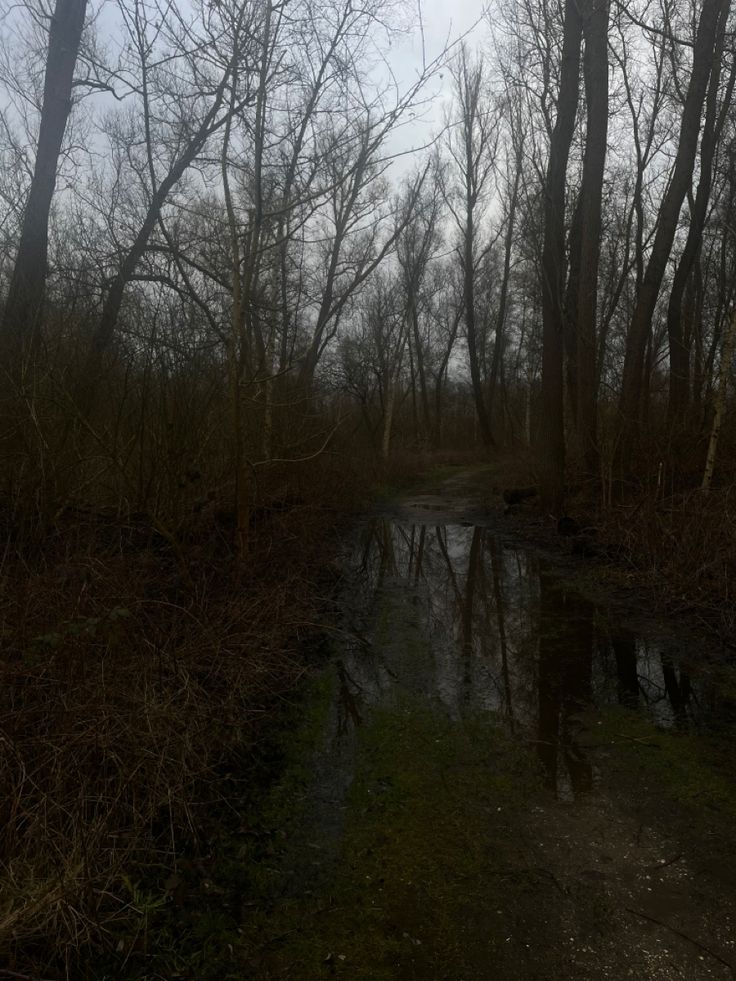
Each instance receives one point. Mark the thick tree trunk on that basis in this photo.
(551, 432)
(23, 309)
(669, 213)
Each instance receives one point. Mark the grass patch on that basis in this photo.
(425, 875)
(687, 777)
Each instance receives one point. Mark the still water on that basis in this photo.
(482, 626)
(505, 779)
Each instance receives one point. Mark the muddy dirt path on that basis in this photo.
(498, 778)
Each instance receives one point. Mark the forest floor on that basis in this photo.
(509, 769)
(431, 739)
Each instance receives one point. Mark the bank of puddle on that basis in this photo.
(503, 779)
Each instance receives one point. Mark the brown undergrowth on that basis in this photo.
(675, 542)
(684, 545)
(135, 677)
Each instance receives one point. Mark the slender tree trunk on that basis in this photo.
(729, 346)
(24, 306)
(388, 419)
(413, 379)
(669, 212)
(441, 375)
(241, 491)
(552, 434)
(421, 371)
(679, 390)
(595, 71)
(499, 342)
(471, 329)
(392, 385)
(703, 379)
(570, 326)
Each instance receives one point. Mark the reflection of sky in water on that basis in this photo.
(451, 613)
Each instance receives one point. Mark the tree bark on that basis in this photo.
(595, 72)
(471, 331)
(551, 432)
(729, 346)
(24, 306)
(679, 389)
(669, 213)
(499, 342)
(421, 371)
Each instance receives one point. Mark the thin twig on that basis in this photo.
(685, 936)
(6, 972)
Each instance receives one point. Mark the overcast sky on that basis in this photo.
(443, 22)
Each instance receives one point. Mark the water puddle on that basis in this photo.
(477, 625)
(509, 781)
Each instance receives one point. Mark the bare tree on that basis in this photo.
(471, 146)
(513, 165)
(24, 304)
(729, 347)
(552, 430)
(669, 211)
(415, 247)
(713, 124)
(585, 255)
(208, 84)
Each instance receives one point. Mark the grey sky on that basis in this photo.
(443, 23)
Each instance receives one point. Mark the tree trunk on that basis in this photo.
(472, 334)
(388, 419)
(669, 213)
(500, 335)
(24, 305)
(551, 433)
(421, 371)
(729, 346)
(679, 390)
(595, 71)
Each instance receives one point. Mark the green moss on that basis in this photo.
(420, 882)
(690, 774)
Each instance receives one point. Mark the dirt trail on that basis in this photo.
(502, 779)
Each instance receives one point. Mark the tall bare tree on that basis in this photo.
(641, 319)
(552, 429)
(587, 237)
(716, 110)
(24, 304)
(473, 136)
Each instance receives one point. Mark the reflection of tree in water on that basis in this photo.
(565, 676)
(497, 571)
(475, 600)
(467, 613)
(624, 650)
(678, 689)
(638, 668)
(479, 626)
(349, 704)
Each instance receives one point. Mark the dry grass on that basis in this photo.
(126, 684)
(685, 545)
(679, 543)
